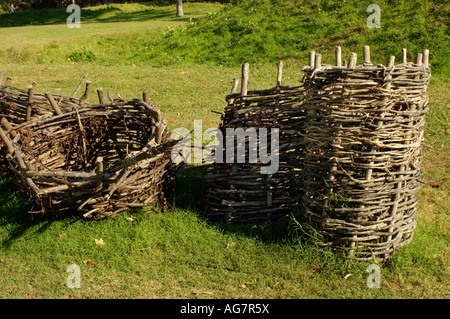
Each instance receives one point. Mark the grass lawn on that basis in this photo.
(126, 49)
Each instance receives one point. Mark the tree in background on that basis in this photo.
(53, 4)
(180, 12)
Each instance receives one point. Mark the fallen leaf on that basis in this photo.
(89, 262)
(435, 185)
(243, 286)
(131, 218)
(63, 233)
(347, 276)
(99, 242)
(232, 244)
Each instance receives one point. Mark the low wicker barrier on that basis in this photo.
(238, 192)
(94, 159)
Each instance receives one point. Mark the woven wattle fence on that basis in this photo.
(364, 134)
(238, 192)
(350, 153)
(91, 159)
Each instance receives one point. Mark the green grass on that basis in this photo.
(188, 66)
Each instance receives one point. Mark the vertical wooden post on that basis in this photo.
(245, 76)
(338, 56)
(352, 60)
(312, 55)
(390, 61)
(426, 57)
(366, 54)
(279, 73)
(7, 81)
(269, 190)
(419, 59)
(146, 96)
(30, 100)
(99, 170)
(159, 132)
(53, 103)
(86, 92)
(230, 101)
(101, 99)
(317, 61)
(404, 56)
(235, 86)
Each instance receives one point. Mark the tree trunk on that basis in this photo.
(180, 8)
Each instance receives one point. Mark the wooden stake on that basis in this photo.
(7, 81)
(233, 91)
(53, 103)
(146, 96)
(312, 55)
(245, 76)
(338, 56)
(101, 99)
(79, 85)
(30, 101)
(366, 54)
(99, 163)
(279, 73)
(404, 56)
(235, 86)
(159, 132)
(419, 59)
(390, 61)
(86, 92)
(426, 57)
(317, 61)
(352, 60)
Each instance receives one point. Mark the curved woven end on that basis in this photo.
(91, 159)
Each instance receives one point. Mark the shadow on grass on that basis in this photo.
(15, 216)
(98, 15)
(189, 195)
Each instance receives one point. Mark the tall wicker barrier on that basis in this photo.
(364, 133)
(92, 159)
(238, 192)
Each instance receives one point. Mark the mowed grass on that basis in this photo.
(178, 254)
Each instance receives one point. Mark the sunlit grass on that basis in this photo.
(178, 254)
